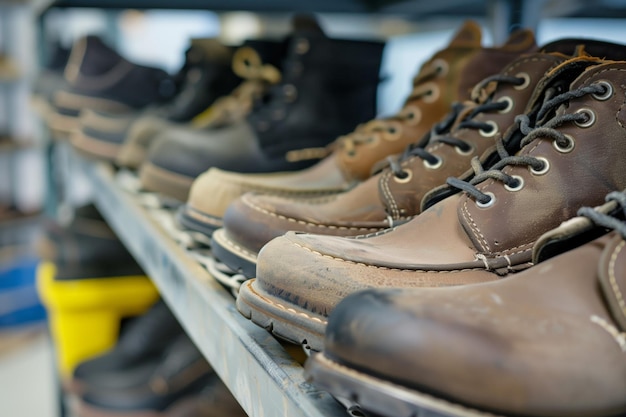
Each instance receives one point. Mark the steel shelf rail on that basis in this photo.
(333, 6)
(255, 367)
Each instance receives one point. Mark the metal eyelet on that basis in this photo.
(491, 202)
(492, 132)
(412, 115)
(464, 153)
(509, 104)
(591, 117)
(441, 67)
(407, 178)
(607, 94)
(302, 46)
(290, 92)
(436, 165)
(394, 131)
(519, 186)
(526, 82)
(372, 140)
(546, 167)
(432, 94)
(565, 149)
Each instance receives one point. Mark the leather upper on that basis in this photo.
(387, 199)
(456, 241)
(541, 343)
(546, 342)
(95, 70)
(445, 78)
(328, 86)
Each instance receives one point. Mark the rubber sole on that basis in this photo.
(231, 254)
(170, 184)
(93, 147)
(132, 155)
(284, 320)
(197, 221)
(62, 126)
(379, 396)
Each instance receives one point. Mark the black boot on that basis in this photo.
(328, 86)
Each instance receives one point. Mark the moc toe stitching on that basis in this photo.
(247, 201)
(385, 268)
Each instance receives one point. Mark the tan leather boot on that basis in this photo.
(547, 342)
(446, 78)
(573, 156)
(394, 195)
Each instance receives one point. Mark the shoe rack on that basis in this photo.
(12, 79)
(262, 375)
(18, 216)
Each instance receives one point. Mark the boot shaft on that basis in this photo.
(444, 79)
(328, 86)
(95, 69)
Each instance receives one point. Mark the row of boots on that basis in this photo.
(475, 184)
(119, 349)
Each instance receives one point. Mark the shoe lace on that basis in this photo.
(462, 117)
(258, 77)
(606, 220)
(546, 129)
(366, 133)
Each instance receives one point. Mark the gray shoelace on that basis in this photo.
(468, 123)
(606, 220)
(547, 130)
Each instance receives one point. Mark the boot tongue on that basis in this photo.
(305, 23)
(571, 234)
(468, 35)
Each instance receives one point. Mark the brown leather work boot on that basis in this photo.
(569, 151)
(394, 195)
(546, 342)
(446, 78)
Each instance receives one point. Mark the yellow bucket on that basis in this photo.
(84, 315)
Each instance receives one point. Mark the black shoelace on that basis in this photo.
(547, 130)
(606, 220)
(444, 127)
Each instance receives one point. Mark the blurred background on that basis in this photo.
(36, 184)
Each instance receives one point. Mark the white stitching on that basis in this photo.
(613, 280)
(253, 206)
(384, 268)
(619, 337)
(474, 228)
(388, 194)
(282, 307)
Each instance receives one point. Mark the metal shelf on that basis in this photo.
(259, 372)
(473, 7)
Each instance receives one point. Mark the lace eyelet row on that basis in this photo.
(408, 175)
(491, 132)
(524, 84)
(509, 104)
(607, 93)
(519, 180)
